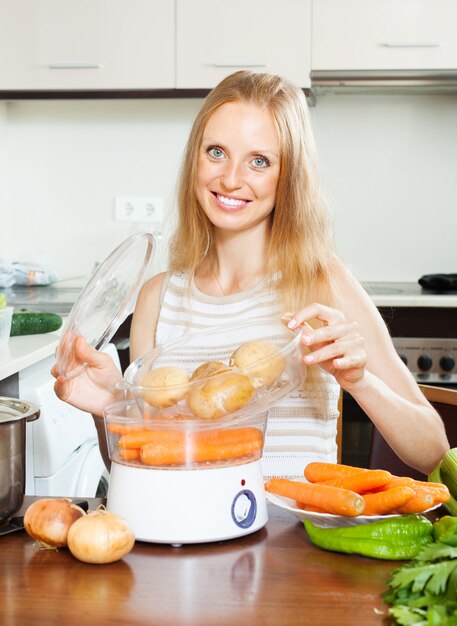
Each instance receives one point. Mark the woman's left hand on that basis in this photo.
(336, 346)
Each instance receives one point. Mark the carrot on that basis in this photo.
(129, 454)
(138, 438)
(121, 429)
(308, 507)
(332, 499)
(441, 496)
(318, 471)
(422, 500)
(177, 447)
(361, 482)
(397, 481)
(386, 501)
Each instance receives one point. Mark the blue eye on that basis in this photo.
(261, 161)
(215, 152)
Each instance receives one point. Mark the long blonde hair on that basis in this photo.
(300, 247)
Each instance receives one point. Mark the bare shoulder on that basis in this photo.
(357, 305)
(151, 288)
(145, 316)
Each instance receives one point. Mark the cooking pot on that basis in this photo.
(13, 417)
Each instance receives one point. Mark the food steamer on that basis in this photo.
(182, 472)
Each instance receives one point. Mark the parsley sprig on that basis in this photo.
(424, 591)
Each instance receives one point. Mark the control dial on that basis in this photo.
(424, 362)
(447, 363)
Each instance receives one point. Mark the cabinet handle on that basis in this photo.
(74, 66)
(228, 65)
(411, 44)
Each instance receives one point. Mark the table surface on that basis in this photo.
(272, 577)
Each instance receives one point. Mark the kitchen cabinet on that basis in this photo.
(87, 44)
(384, 34)
(216, 37)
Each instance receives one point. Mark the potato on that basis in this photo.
(168, 385)
(211, 368)
(220, 394)
(260, 359)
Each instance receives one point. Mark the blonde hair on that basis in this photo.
(300, 247)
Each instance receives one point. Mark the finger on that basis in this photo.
(327, 334)
(355, 360)
(323, 313)
(334, 350)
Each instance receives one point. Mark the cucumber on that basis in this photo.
(34, 323)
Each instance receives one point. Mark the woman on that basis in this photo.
(254, 239)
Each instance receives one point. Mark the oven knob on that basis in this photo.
(404, 358)
(424, 362)
(447, 363)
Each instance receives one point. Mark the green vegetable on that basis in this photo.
(33, 323)
(445, 530)
(393, 538)
(446, 473)
(424, 591)
(2, 301)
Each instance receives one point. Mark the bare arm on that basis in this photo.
(354, 345)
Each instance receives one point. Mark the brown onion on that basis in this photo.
(100, 537)
(48, 520)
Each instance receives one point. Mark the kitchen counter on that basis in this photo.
(400, 294)
(274, 576)
(23, 351)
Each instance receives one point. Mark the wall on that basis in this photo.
(388, 163)
(4, 212)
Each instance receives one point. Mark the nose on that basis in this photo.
(232, 176)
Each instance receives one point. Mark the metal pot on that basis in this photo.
(13, 417)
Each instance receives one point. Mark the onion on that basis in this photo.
(100, 537)
(48, 520)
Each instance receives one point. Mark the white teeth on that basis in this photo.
(230, 201)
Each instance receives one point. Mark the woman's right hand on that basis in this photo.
(95, 387)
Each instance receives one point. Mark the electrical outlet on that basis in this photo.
(134, 209)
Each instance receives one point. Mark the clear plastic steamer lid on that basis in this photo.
(106, 300)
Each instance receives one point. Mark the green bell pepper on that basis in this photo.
(445, 530)
(393, 538)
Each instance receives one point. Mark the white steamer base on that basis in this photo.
(189, 506)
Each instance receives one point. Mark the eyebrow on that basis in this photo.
(265, 151)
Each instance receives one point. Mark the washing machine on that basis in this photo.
(62, 451)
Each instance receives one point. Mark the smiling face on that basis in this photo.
(238, 166)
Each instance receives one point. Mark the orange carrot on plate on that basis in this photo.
(331, 499)
(318, 471)
(384, 502)
(361, 482)
(422, 500)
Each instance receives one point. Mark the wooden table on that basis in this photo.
(272, 577)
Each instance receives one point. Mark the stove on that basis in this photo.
(423, 326)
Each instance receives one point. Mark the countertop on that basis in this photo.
(21, 352)
(26, 350)
(272, 577)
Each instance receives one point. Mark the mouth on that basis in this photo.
(230, 204)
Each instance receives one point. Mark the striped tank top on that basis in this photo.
(302, 427)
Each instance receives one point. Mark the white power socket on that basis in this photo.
(134, 209)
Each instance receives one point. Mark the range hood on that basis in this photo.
(384, 81)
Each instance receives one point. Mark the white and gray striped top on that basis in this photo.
(302, 427)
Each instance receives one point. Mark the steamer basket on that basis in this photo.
(181, 442)
(191, 351)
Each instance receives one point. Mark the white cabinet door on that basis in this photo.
(384, 34)
(87, 44)
(218, 37)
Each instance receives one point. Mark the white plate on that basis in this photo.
(326, 520)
